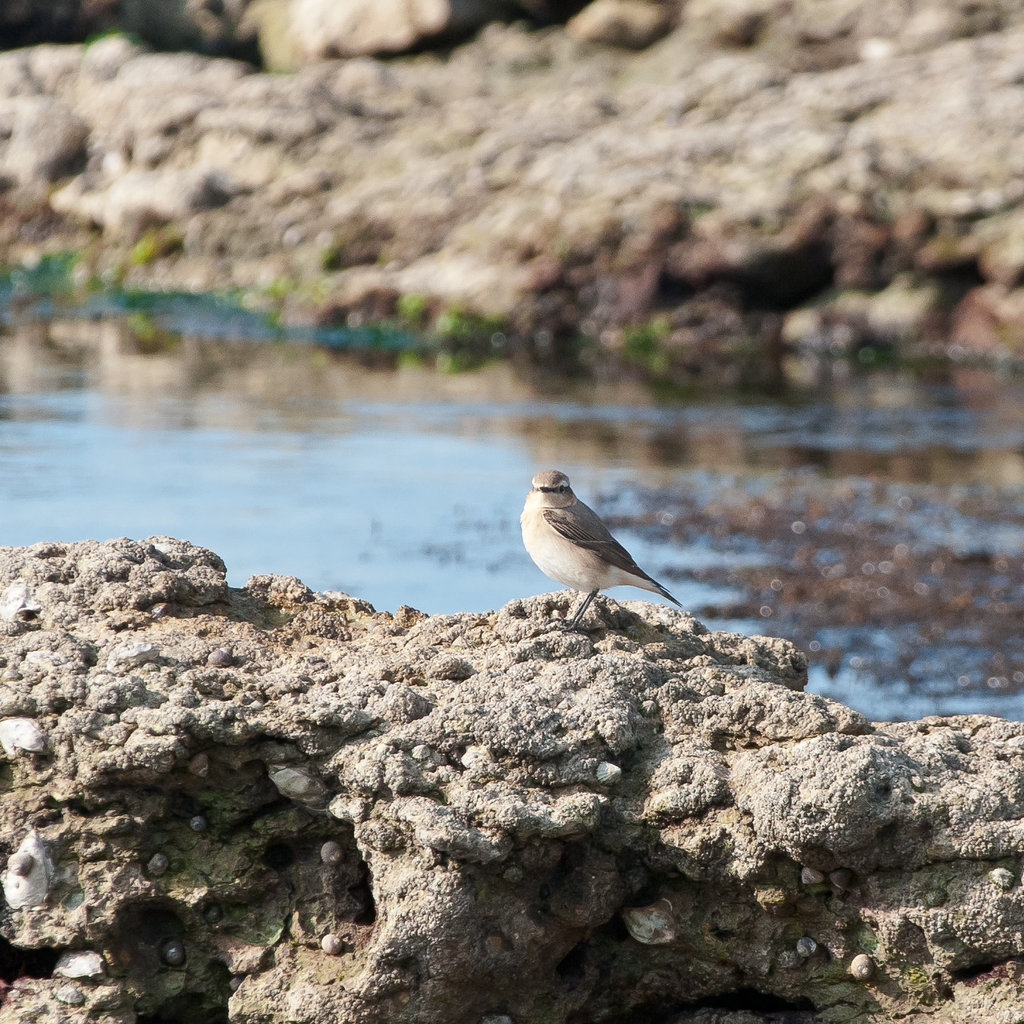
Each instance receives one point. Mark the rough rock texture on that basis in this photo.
(296, 32)
(852, 167)
(267, 805)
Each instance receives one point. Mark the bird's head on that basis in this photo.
(551, 489)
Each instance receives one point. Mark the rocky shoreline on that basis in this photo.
(753, 178)
(265, 804)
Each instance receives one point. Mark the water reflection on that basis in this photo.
(403, 485)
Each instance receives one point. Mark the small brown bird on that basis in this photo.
(570, 544)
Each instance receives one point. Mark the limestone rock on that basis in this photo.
(762, 155)
(140, 199)
(630, 24)
(45, 140)
(403, 818)
(294, 32)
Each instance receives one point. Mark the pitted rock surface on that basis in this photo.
(262, 805)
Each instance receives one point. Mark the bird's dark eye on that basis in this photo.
(562, 489)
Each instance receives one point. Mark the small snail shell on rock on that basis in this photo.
(862, 967)
(652, 925)
(157, 864)
(220, 657)
(811, 876)
(332, 944)
(841, 878)
(172, 952)
(806, 946)
(608, 773)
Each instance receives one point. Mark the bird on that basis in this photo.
(570, 544)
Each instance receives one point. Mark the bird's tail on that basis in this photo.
(655, 587)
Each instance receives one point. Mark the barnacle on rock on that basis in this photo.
(71, 995)
(300, 785)
(17, 602)
(29, 872)
(172, 952)
(1002, 878)
(21, 734)
(79, 965)
(652, 924)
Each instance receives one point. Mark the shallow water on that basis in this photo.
(404, 486)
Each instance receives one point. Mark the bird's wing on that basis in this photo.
(582, 527)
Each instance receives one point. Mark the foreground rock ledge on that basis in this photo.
(267, 805)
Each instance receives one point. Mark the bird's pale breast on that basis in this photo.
(569, 564)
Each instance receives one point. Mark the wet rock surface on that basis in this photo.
(264, 804)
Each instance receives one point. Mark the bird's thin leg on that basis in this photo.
(574, 622)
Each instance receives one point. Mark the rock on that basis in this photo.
(471, 860)
(989, 319)
(630, 24)
(761, 157)
(295, 32)
(45, 140)
(1001, 256)
(141, 199)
